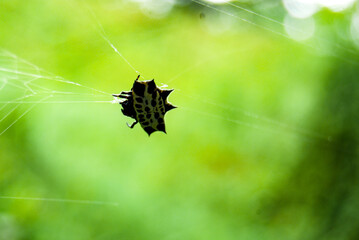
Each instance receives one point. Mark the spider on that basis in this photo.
(147, 104)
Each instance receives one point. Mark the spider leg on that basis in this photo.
(123, 95)
(132, 125)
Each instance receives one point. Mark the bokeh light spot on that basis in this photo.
(299, 29)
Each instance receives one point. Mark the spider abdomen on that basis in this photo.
(147, 104)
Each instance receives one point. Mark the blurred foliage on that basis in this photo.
(264, 144)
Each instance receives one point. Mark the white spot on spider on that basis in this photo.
(117, 100)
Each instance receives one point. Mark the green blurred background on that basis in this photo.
(263, 144)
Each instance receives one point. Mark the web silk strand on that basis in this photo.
(60, 200)
(104, 36)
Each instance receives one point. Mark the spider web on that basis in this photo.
(24, 85)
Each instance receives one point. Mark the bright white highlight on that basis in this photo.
(218, 1)
(306, 8)
(336, 5)
(155, 8)
(354, 29)
(301, 8)
(299, 29)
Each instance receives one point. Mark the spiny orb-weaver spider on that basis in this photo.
(147, 104)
